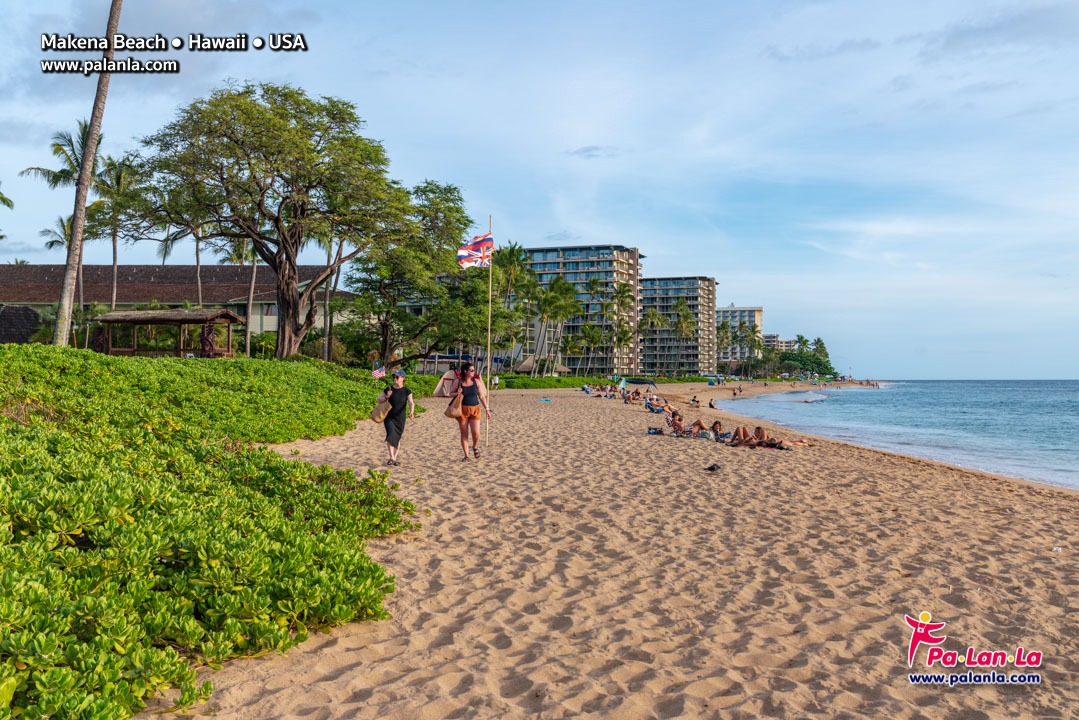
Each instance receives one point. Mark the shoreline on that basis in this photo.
(671, 390)
(584, 568)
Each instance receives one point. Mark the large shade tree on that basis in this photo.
(412, 297)
(270, 165)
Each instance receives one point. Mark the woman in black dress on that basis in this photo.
(399, 397)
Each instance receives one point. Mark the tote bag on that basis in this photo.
(453, 410)
(379, 413)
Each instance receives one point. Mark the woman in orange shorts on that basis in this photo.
(473, 396)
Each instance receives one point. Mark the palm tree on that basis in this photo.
(685, 327)
(723, 341)
(653, 323)
(622, 337)
(565, 307)
(754, 341)
(59, 236)
(740, 338)
(606, 313)
(168, 244)
(18, 261)
(546, 305)
(570, 345)
(240, 252)
(818, 349)
(594, 288)
(513, 260)
(325, 241)
(591, 338)
(6, 202)
(69, 150)
(771, 356)
(82, 185)
(114, 183)
(801, 342)
(622, 294)
(527, 293)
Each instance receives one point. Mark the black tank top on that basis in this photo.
(471, 394)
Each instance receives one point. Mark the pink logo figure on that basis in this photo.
(923, 633)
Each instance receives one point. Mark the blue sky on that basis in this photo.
(899, 179)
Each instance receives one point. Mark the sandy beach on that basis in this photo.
(582, 568)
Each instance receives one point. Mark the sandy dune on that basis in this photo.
(584, 569)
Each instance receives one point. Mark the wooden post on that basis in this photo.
(490, 275)
(180, 340)
(230, 336)
(134, 338)
(109, 340)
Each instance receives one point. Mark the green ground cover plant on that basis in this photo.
(142, 534)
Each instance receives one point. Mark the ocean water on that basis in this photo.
(1022, 428)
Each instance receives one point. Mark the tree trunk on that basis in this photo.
(291, 329)
(82, 303)
(327, 350)
(337, 279)
(250, 305)
(198, 266)
(540, 337)
(82, 189)
(112, 302)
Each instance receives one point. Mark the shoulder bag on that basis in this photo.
(380, 411)
(453, 410)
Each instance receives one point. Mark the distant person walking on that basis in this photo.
(494, 382)
(399, 397)
(473, 395)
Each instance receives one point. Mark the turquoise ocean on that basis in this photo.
(1022, 428)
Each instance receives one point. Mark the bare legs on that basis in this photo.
(474, 424)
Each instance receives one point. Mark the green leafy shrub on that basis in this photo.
(140, 530)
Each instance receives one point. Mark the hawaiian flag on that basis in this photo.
(477, 252)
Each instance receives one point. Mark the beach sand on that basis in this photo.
(582, 568)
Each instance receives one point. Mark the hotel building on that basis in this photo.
(612, 264)
(735, 315)
(663, 351)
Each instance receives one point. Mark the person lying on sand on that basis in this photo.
(761, 438)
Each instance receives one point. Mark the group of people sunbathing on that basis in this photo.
(612, 392)
(741, 437)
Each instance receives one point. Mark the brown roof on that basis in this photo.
(185, 316)
(143, 283)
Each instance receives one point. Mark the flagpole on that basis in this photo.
(490, 275)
